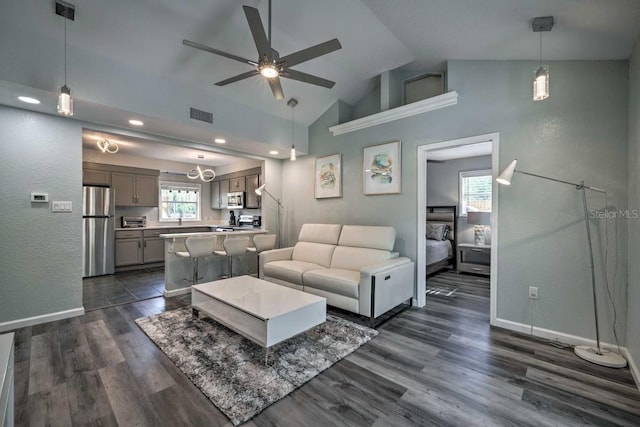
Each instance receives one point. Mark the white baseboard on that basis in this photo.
(176, 292)
(44, 318)
(551, 334)
(635, 372)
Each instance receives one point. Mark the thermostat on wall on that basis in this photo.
(40, 197)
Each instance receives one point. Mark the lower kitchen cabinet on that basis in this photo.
(153, 249)
(128, 252)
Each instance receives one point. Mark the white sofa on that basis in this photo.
(352, 266)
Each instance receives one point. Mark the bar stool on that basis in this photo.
(198, 247)
(233, 246)
(261, 243)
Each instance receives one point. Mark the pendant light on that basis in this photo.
(292, 103)
(541, 78)
(107, 146)
(65, 101)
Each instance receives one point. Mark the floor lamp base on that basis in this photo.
(607, 358)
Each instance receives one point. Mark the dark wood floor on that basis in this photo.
(440, 365)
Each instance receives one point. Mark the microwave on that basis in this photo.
(235, 200)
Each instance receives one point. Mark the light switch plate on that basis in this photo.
(61, 206)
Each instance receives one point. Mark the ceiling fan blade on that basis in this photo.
(257, 31)
(218, 52)
(276, 87)
(238, 77)
(311, 52)
(307, 78)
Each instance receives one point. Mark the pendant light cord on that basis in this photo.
(65, 50)
(541, 48)
(293, 126)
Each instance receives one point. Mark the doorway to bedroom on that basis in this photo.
(457, 221)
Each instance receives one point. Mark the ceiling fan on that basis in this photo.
(269, 64)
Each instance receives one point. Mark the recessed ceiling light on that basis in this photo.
(219, 141)
(29, 100)
(274, 152)
(136, 122)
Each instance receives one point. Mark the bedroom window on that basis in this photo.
(179, 200)
(475, 191)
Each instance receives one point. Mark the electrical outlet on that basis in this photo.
(533, 292)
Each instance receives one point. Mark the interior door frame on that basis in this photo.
(423, 150)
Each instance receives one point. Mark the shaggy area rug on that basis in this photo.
(230, 369)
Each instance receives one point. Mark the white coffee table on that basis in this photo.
(264, 312)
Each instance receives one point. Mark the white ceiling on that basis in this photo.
(126, 56)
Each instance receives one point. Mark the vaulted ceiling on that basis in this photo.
(126, 58)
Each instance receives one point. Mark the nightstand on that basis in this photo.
(474, 258)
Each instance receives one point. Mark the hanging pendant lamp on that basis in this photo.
(292, 103)
(541, 78)
(65, 101)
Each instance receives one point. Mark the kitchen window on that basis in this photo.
(179, 200)
(475, 191)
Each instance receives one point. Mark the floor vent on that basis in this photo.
(203, 116)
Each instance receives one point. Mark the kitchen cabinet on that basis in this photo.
(128, 252)
(135, 190)
(219, 193)
(252, 200)
(96, 177)
(237, 184)
(153, 250)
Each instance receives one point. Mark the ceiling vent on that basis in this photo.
(203, 116)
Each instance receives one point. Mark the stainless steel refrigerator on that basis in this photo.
(98, 234)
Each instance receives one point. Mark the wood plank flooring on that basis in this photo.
(441, 365)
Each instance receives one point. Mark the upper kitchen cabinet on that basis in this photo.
(245, 180)
(236, 184)
(96, 177)
(252, 200)
(134, 189)
(219, 193)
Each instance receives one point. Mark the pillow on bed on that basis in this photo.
(447, 230)
(435, 231)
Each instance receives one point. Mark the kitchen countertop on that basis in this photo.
(158, 226)
(239, 232)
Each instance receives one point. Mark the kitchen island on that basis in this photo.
(178, 271)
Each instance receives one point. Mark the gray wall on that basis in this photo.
(580, 132)
(41, 251)
(443, 181)
(633, 301)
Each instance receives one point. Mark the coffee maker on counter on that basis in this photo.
(232, 218)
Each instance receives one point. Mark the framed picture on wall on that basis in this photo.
(328, 176)
(381, 171)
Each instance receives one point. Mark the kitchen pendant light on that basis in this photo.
(292, 103)
(107, 146)
(65, 101)
(541, 78)
(205, 175)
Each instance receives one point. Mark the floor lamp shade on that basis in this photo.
(505, 177)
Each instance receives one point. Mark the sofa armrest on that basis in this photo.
(283, 254)
(385, 285)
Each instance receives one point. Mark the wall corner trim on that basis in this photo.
(44, 318)
(635, 371)
(429, 104)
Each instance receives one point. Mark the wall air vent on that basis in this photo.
(203, 116)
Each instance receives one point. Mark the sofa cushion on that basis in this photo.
(317, 253)
(320, 233)
(290, 271)
(349, 258)
(334, 280)
(363, 236)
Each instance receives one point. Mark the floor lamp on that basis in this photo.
(591, 354)
(259, 192)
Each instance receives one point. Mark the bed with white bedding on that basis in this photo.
(441, 236)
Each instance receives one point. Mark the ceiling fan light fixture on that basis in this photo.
(269, 71)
